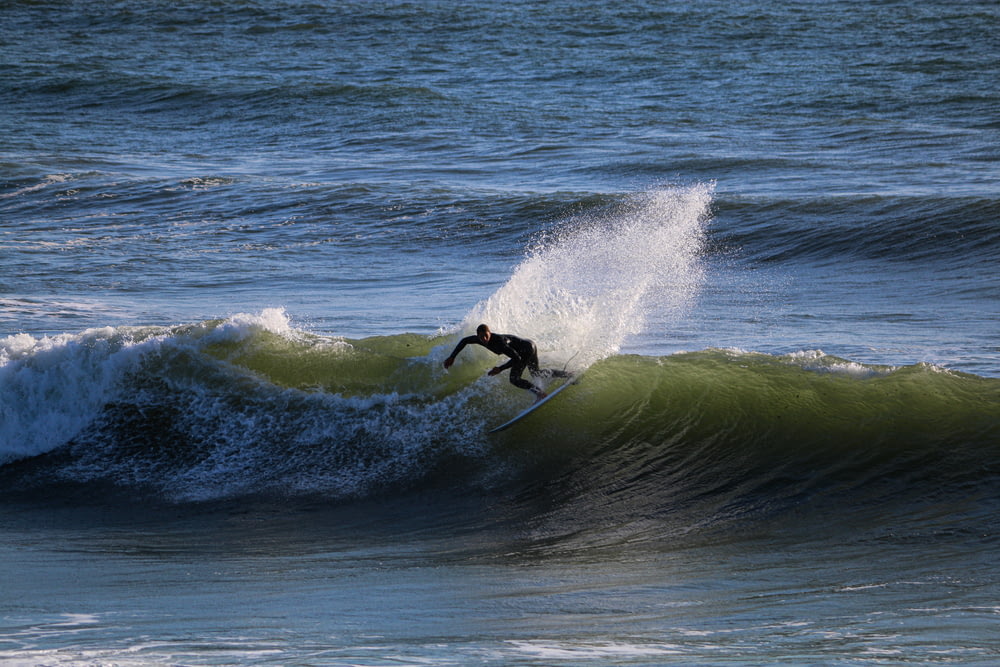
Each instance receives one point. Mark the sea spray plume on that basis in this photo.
(584, 288)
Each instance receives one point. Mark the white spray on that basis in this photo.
(584, 289)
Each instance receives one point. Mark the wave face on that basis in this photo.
(250, 406)
(749, 432)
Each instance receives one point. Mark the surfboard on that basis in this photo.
(537, 404)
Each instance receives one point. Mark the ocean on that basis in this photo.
(239, 239)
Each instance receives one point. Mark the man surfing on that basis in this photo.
(521, 351)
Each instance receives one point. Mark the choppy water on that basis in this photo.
(237, 240)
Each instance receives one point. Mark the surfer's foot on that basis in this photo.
(540, 395)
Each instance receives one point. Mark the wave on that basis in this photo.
(251, 406)
(959, 230)
(954, 233)
(211, 97)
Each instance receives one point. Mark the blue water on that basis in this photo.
(237, 240)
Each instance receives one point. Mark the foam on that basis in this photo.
(242, 326)
(52, 179)
(819, 361)
(51, 387)
(600, 651)
(208, 426)
(816, 361)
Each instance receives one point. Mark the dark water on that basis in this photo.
(237, 240)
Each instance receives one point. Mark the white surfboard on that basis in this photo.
(537, 404)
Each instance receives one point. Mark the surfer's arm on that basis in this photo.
(458, 348)
(501, 369)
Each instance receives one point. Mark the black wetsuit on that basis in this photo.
(521, 351)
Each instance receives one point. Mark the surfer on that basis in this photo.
(521, 351)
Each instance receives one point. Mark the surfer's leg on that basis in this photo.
(518, 381)
(533, 366)
(547, 373)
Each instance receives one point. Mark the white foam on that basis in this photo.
(51, 387)
(51, 179)
(241, 326)
(819, 361)
(584, 289)
(600, 651)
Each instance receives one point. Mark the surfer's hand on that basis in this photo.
(494, 371)
(448, 362)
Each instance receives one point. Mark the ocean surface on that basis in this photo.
(238, 240)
